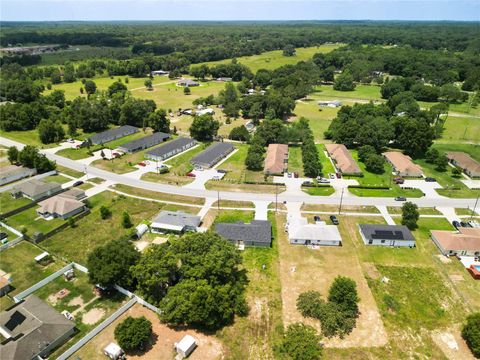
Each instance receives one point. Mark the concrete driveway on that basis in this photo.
(472, 184)
(202, 176)
(293, 185)
(428, 188)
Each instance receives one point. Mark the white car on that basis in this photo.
(473, 223)
(321, 180)
(332, 176)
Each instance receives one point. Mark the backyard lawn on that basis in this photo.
(8, 203)
(32, 222)
(57, 178)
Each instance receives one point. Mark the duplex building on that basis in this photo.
(386, 235)
(13, 173)
(276, 161)
(344, 161)
(464, 242)
(32, 329)
(60, 206)
(35, 189)
(144, 143)
(174, 222)
(330, 103)
(302, 233)
(170, 149)
(464, 161)
(112, 134)
(257, 233)
(403, 164)
(187, 82)
(212, 154)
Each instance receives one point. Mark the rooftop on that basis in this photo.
(299, 228)
(275, 159)
(403, 163)
(386, 232)
(211, 155)
(60, 204)
(257, 230)
(170, 146)
(176, 220)
(147, 141)
(344, 160)
(464, 160)
(118, 132)
(35, 187)
(465, 239)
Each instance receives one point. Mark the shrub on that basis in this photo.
(471, 333)
(126, 220)
(105, 212)
(133, 333)
(301, 342)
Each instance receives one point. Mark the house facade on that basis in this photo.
(13, 173)
(212, 155)
(386, 235)
(344, 162)
(170, 149)
(300, 232)
(113, 134)
(470, 166)
(36, 189)
(402, 164)
(464, 242)
(60, 206)
(257, 234)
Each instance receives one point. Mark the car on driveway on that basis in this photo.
(141, 163)
(399, 181)
(289, 175)
(221, 171)
(430, 179)
(322, 180)
(307, 182)
(400, 198)
(464, 224)
(334, 220)
(3, 235)
(316, 218)
(295, 175)
(332, 176)
(191, 174)
(77, 183)
(456, 224)
(338, 175)
(473, 224)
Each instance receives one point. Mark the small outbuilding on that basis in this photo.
(113, 351)
(140, 230)
(186, 346)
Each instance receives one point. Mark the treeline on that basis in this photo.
(31, 158)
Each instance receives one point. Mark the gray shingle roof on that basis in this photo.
(113, 134)
(176, 144)
(213, 154)
(177, 218)
(145, 142)
(37, 324)
(386, 232)
(257, 230)
(36, 187)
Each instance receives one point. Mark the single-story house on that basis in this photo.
(113, 134)
(212, 155)
(60, 206)
(386, 235)
(36, 189)
(170, 149)
(32, 329)
(257, 233)
(13, 173)
(470, 166)
(330, 103)
(403, 164)
(205, 111)
(75, 193)
(187, 82)
(344, 161)
(5, 285)
(276, 161)
(159, 72)
(144, 143)
(224, 79)
(464, 242)
(174, 221)
(302, 233)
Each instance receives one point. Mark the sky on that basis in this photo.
(56, 10)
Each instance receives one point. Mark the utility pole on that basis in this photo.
(86, 174)
(474, 208)
(341, 200)
(276, 198)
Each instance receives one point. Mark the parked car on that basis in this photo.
(316, 218)
(338, 175)
(456, 224)
(289, 175)
(198, 167)
(399, 181)
(71, 141)
(141, 163)
(77, 183)
(473, 223)
(216, 177)
(332, 176)
(221, 171)
(430, 179)
(400, 198)
(191, 174)
(307, 182)
(334, 220)
(3, 235)
(322, 180)
(464, 224)
(295, 175)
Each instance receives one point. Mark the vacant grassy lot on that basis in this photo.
(232, 216)
(167, 178)
(158, 195)
(421, 210)
(226, 186)
(70, 172)
(273, 59)
(233, 204)
(361, 92)
(295, 163)
(180, 165)
(461, 129)
(33, 222)
(320, 118)
(57, 178)
(8, 203)
(29, 137)
(393, 192)
(345, 208)
(236, 169)
(318, 190)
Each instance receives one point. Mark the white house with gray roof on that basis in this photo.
(113, 134)
(386, 235)
(212, 154)
(36, 190)
(144, 143)
(170, 149)
(174, 222)
(257, 233)
(302, 233)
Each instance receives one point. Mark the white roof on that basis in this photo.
(186, 344)
(41, 256)
(113, 349)
(205, 111)
(299, 228)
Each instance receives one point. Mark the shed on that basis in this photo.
(113, 351)
(186, 346)
(43, 256)
(140, 230)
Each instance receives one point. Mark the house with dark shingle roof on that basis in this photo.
(213, 154)
(113, 134)
(36, 190)
(32, 329)
(386, 235)
(144, 143)
(257, 233)
(170, 149)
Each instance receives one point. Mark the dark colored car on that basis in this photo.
(456, 224)
(464, 224)
(77, 183)
(191, 174)
(3, 235)
(316, 218)
(399, 180)
(295, 175)
(430, 179)
(334, 220)
(338, 175)
(400, 198)
(221, 171)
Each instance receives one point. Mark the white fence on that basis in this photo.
(97, 330)
(139, 299)
(11, 243)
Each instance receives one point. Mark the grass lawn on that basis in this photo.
(57, 178)
(70, 172)
(29, 137)
(91, 231)
(363, 92)
(421, 210)
(255, 335)
(8, 203)
(461, 129)
(371, 179)
(327, 166)
(295, 163)
(463, 211)
(318, 190)
(33, 222)
(252, 188)
(29, 272)
(345, 208)
(233, 204)
(236, 169)
(273, 59)
(232, 216)
(158, 195)
(393, 192)
(320, 118)
(180, 165)
(167, 178)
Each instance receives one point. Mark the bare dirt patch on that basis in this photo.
(76, 301)
(93, 316)
(456, 277)
(371, 271)
(452, 344)
(316, 270)
(444, 259)
(163, 339)
(160, 240)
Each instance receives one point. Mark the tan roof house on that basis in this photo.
(60, 206)
(465, 242)
(403, 164)
(344, 161)
(276, 160)
(35, 189)
(469, 166)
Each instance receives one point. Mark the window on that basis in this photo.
(383, 241)
(370, 242)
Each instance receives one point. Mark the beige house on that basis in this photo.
(36, 190)
(344, 161)
(465, 242)
(464, 161)
(60, 206)
(403, 164)
(276, 160)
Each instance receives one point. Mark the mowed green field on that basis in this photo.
(273, 59)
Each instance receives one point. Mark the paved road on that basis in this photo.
(243, 196)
